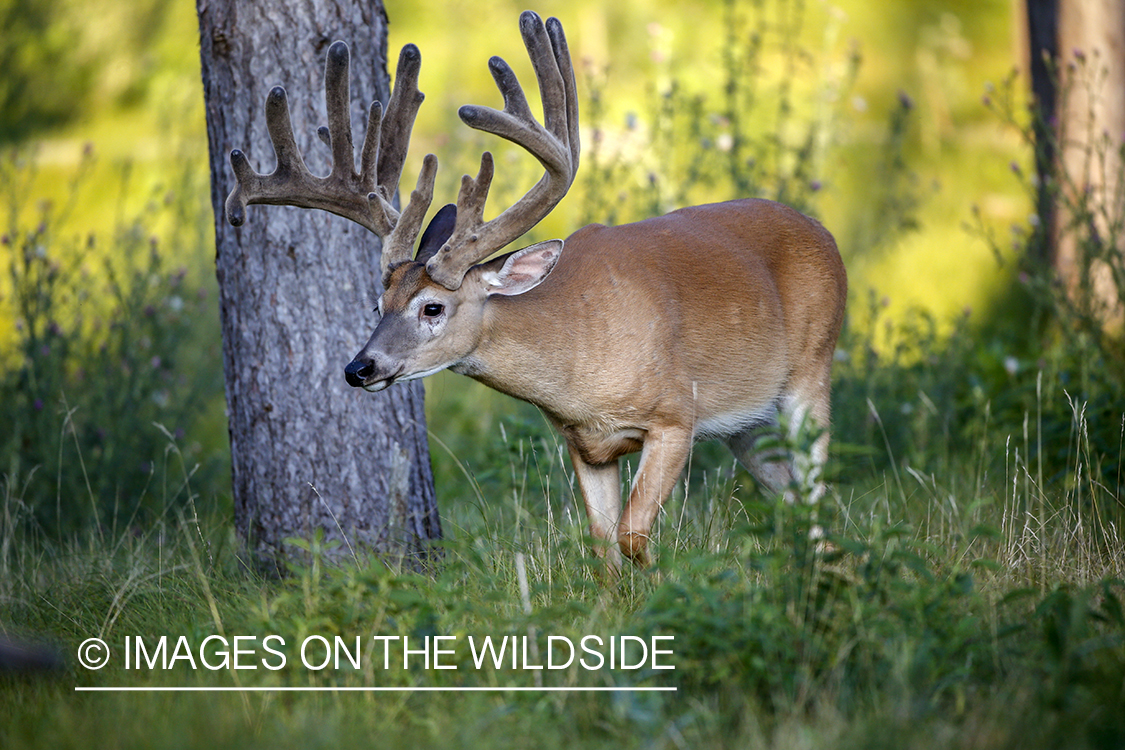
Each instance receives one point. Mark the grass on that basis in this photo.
(966, 609)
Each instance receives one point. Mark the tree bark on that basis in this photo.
(1092, 128)
(308, 451)
(1043, 45)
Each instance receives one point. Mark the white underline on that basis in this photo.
(330, 689)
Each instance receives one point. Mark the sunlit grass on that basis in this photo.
(938, 609)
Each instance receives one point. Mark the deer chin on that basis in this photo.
(378, 385)
(381, 385)
(420, 374)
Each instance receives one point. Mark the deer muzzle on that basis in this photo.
(371, 373)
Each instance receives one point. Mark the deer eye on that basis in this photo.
(433, 309)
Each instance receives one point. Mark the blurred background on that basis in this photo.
(902, 126)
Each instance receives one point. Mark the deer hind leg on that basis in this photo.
(663, 458)
(773, 465)
(765, 463)
(811, 411)
(601, 491)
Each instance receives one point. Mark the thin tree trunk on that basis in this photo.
(308, 451)
(1092, 128)
(1042, 37)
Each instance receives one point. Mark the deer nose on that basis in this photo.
(357, 372)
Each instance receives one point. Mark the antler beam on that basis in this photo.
(555, 145)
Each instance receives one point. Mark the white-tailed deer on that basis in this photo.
(718, 321)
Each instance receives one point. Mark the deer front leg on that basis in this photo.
(601, 491)
(663, 458)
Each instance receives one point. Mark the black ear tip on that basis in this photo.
(437, 233)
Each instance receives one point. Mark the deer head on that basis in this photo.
(428, 311)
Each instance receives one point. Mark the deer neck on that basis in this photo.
(519, 352)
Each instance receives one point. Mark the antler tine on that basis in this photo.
(384, 163)
(555, 145)
(399, 120)
(337, 101)
(363, 197)
(570, 89)
(399, 246)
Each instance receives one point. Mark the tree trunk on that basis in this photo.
(1042, 46)
(1092, 127)
(308, 451)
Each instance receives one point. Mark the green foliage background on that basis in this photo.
(968, 593)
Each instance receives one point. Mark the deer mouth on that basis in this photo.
(373, 384)
(364, 374)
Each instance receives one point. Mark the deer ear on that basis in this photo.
(437, 233)
(523, 270)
